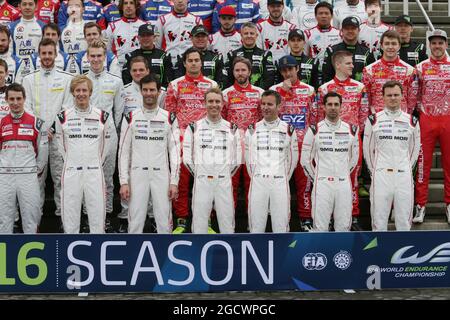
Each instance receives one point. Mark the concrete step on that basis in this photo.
(437, 155)
(435, 192)
(431, 224)
(435, 209)
(437, 6)
(437, 173)
(418, 20)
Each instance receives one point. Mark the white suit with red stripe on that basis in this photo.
(271, 155)
(334, 148)
(391, 147)
(84, 143)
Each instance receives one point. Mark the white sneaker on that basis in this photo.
(447, 212)
(419, 215)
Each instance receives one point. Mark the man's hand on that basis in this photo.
(173, 192)
(125, 192)
(287, 84)
(50, 134)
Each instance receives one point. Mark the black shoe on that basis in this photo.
(59, 225)
(306, 225)
(18, 226)
(123, 226)
(108, 226)
(84, 228)
(152, 224)
(355, 225)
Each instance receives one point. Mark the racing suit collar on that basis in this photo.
(17, 116)
(128, 20)
(333, 126)
(324, 29)
(179, 15)
(83, 111)
(342, 82)
(242, 89)
(229, 34)
(442, 61)
(192, 79)
(153, 111)
(275, 23)
(97, 75)
(392, 114)
(212, 123)
(271, 124)
(47, 72)
(390, 62)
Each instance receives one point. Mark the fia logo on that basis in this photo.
(314, 261)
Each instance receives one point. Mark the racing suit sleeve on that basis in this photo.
(29, 105)
(171, 98)
(367, 81)
(159, 33)
(162, 98)
(313, 113)
(364, 110)
(59, 136)
(248, 152)
(118, 106)
(237, 154)
(174, 152)
(114, 67)
(316, 75)
(125, 151)
(41, 155)
(327, 66)
(68, 97)
(354, 152)
(414, 144)
(412, 92)
(215, 18)
(308, 153)
(369, 146)
(188, 149)
(268, 71)
(292, 154)
(110, 143)
(126, 76)
(169, 73)
(108, 35)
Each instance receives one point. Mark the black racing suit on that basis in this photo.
(413, 53)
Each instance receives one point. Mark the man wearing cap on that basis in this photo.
(159, 63)
(303, 15)
(263, 70)
(273, 32)
(324, 35)
(433, 103)
(351, 8)
(264, 13)
(173, 30)
(411, 51)
(212, 64)
(227, 38)
(361, 54)
(299, 110)
(246, 11)
(308, 67)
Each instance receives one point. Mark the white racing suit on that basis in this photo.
(106, 97)
(20, 164)
(212, 153)
(391, 147)
(48, 92)
(271, 155)
(334, 148)
(82, 139)
(146, 138)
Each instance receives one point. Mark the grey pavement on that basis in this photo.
(397, 294)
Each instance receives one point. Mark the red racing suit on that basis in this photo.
(378, 73)
(434, 120)
(185, 98)
(354, 111)
(47, 11)
(8, 13)
(298, 108)
(242, 107)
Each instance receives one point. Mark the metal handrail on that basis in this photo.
(430, 7)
